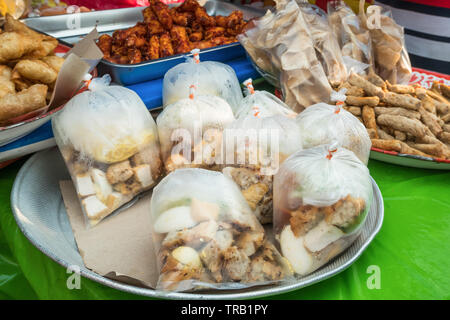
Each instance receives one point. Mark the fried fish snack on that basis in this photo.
(54, 62)
(6, 85)
(14, 45)
(15, 104)
(36, 70)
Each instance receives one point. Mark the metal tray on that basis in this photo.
(39, 211)
(108, 21)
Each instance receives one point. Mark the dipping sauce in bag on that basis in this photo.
(321, 199)
(110, 144)
(207, 237)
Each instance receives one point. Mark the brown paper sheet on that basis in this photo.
(121, 246)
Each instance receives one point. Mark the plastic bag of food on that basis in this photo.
(262, 104)
(388, 41)
(252, 150)
(322, 123)
(354, 40)
(327, 48)
(109, 142)
(207, 237)
(190, 131)
(321, 199)
(209, 77)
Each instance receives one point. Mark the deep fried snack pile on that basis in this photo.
(403, 118)
(167, 31)
(28, 69)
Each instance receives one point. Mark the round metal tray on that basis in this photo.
(39, 210)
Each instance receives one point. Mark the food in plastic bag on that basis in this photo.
(190, 131)
(253, 149)
(207, 237)
(262, 104)
(109, 142)
(322, 123)
(327, 48)
(280, 43)
(321, 199)
(209, 77)
(388, 41)
(354, 40)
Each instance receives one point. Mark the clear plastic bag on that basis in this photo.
(354, 40)
(252, 159)
(327, 47)
(321, 199)
(388, 41)
(209, 77)
(322, 123)
(190, 131)
(110, 144)
(262, 104)
(207, 237)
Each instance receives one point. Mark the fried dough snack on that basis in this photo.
(167, 31)
(407, 118)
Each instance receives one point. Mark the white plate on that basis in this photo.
(40, 213)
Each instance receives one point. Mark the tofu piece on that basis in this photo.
(119, 172)
(143, 175)
(174, 219)
(94, 208)
(102, 187)
(202, 210)
(84, 185)
(294, 251)
(321, 236)
(116, 199)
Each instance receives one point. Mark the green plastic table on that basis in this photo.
(408, 259)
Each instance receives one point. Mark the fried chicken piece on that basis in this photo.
(304, 219)
(135, 41)
(181, 18)
(162, 12)
(235, 18)
(189, 6)
(154, 27)
(195, 37)
(165, 46)
(214, 32)
(237, 29)
(105, 44)
(152, 48)
(204, 18)
(119, 172)
(344, 212)
(221, 21)
(134, 55)
(180, 39)
(148, 14)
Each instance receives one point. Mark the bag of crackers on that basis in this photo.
(109, 142)
(207, 237)
(321, 199)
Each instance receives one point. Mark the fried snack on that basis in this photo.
(412, 126)
(366, 85)
(181, 18)
(399, 88)
(376, 79)
(446, 118)
(14, 45)
(352, 90)
(6, 85)
(410, 150)
(180, 39)
(165, 46)
(403, 101)
(15, 104)
(430, 121)
(54, 62)
(390, 145)
(189, 6)
(153, 48)
(400, 135)
(162, 12)
(362, 101)
(105, 44)
(36, 70)
(368, 116)
(384, 135)
(444, 137)
(204, 19)
(435, 149)
(445, 90)
(397, 112)
(356, 111)
(214, 32)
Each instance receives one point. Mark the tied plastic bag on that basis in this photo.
(327, 48)
(262, 104)
(109, 142)
(207, 237)
(280, 43)
(209, 77)
(190, 131)
(252, 150)
(322, 123)
(321, 199)
(388, 41)
(354, 40)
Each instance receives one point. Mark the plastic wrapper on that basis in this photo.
(209, 77)
(388, 41)
(253, 149)
(262, 104)
(354, 40)
(322, 123)
(321, 199)
(280, 43)
(207, 237)
(109, 142)
(190, 131)
(327, 48)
